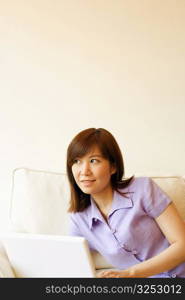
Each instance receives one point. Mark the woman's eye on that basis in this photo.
(93, 160)
(76, 161)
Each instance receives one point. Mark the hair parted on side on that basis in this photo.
(82, 144)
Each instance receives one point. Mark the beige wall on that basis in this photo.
(69, 65)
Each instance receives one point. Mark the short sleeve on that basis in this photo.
(73, 226)
(155, 199)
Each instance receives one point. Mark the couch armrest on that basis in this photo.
(5, 266)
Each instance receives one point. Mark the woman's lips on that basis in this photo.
(87, 182)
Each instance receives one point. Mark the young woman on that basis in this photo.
(131, 222)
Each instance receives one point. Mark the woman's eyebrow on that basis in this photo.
(99, 155)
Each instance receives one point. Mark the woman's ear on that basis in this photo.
(113, 169)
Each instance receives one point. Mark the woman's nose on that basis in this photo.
(85, 169)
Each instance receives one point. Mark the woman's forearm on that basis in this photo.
(166, 260)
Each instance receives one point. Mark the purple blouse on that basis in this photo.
(131, 234)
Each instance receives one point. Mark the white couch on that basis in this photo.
(39, 202)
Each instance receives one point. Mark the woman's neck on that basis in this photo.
(104, 199)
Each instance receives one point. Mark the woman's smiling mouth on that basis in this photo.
(87, 182)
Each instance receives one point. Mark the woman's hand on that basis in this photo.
(115, 274)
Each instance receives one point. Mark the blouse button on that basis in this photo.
(174, 275)
(126, 247)
(134, 251)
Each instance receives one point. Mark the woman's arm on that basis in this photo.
(173, 228)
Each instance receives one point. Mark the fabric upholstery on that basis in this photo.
(5, 266)
(39, 202)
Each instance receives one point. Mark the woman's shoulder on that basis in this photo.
(140, 182)
(80, 214)
(141, 186)
(137, 184)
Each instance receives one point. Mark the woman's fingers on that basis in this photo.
(108, 274)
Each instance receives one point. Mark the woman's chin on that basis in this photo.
(87, 190)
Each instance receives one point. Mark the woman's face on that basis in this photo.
(92, 172)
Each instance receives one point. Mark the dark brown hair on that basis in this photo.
(81, 144)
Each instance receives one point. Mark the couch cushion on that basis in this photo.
(5, 266)
(40, 199)
(39, 202)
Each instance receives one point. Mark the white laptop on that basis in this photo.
(38, 255)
